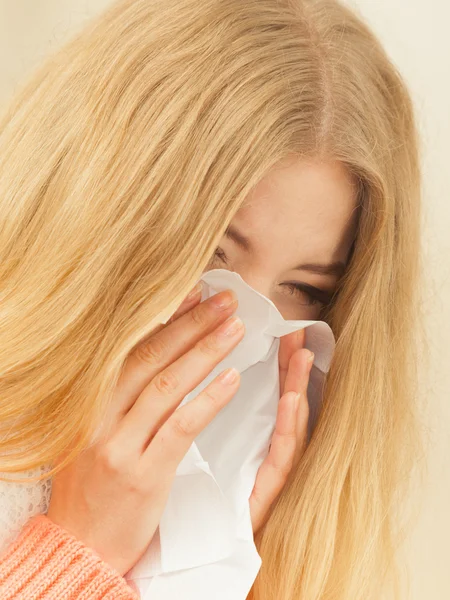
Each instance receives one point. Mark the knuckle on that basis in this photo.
(110, 458)
(200, 316)
(166, 382)
(212, 396)
(152, 352)
(209, 345)
(283, 469)
(115, 464)
(182, 426)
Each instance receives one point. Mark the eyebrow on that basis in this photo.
(336, 268)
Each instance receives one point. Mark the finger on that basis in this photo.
(169, 344)
(191, 300)
(167, 389)
(176, 435)
(301, 427)
(288, 345)
(298, 372)
(273, 472)
(297, 380)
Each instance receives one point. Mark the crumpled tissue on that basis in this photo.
(203, 547)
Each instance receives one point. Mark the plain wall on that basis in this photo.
(415, 33)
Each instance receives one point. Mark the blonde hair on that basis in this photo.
(122, 160)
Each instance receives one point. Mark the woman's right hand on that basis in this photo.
(112, 496)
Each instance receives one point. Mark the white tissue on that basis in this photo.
(204, 548)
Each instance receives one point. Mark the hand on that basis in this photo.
(290, 435)
(113, 494)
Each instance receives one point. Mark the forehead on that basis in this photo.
(303, 204)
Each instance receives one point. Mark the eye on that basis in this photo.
(219, 254)
(313, 295)
(308, 295)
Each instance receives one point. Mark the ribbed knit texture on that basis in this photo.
(47, 562)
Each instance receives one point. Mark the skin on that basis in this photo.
(111, 497)
(302, 212)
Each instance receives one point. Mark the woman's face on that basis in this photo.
(292, 237)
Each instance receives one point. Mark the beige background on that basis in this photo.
(415, 33)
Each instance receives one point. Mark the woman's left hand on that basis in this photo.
(290, 436)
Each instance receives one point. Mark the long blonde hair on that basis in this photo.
(122, 160)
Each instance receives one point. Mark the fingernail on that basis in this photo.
(300, 337)
(229, 376)
(309, 362)
(194, 292)
(223, 300)
(295, 403)
(231, 326)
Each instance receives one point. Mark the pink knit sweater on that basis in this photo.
(46, 562)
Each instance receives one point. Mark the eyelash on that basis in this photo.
(315, 295)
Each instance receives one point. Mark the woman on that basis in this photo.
(143, 153)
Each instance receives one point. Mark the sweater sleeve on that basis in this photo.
(46, 562)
